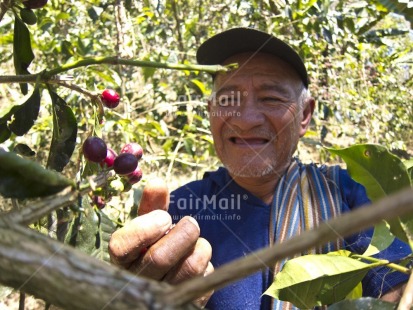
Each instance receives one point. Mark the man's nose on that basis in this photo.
(247, 114)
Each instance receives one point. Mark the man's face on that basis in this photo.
(255, 116)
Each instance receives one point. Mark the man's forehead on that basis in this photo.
(235, 81)
(259, 79)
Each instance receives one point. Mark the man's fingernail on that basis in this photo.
(173, 225)
(162, 218)
(191, 219)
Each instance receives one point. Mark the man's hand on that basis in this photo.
(151, 247)
(395, 294)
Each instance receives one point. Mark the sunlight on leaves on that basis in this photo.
(315, 280)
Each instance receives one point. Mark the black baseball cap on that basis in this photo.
(218, 48)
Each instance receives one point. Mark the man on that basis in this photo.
(258, 113)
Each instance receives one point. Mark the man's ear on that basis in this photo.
(307, 114)
(209, 102)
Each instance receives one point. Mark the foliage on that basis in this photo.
(363, 303)
(316, 280)
(23, 179)
(362, 162)
(358, 56)
(328, 278)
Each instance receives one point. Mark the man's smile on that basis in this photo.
(249, 141)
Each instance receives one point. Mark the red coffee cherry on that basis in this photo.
(110, 98)
(94, 149)
(125, 163)
(133, 148)
(110, 158)
(135, 176)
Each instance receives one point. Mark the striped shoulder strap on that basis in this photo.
(304, 197)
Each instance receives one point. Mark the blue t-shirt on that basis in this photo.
(236, 223)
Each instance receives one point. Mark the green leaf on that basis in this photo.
(356, 292)
(409, 167)
(381, 240)
(304, 7)
(84, 228)
(373, 166)
(66, 50)
(81, 48)
(399, 7)
(23, 150)
(25, 115)
(189, 146)
(90, 168)
(148, 73)
(200, 85)
(315, 280)
(64, 134)
(62, 16)
(105, 230)
(381, 173)
(363, 303)
(5, 132)
(22, 178)
(90, 231)
(367, 26)
(22, 50)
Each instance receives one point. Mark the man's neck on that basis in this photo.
(261, 187)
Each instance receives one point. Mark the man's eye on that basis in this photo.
(226, 101)
(271, 99)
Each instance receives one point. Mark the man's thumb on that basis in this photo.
(155, 196)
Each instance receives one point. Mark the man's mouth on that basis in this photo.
(253, 141)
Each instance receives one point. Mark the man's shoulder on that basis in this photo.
(337, 174)
(354, 193)
(203, 185)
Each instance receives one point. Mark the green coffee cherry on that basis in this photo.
(28, 16)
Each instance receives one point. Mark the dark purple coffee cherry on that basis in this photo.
(34, 4)
(110, 98)
(125, 163)
(135, 176)
(94, 149)
(99, 202)
(133, 148)
(110, 158)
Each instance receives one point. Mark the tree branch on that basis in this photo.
(68, 278)
(33, 262)
(29, 214)
(343, 226)
(4, 6)
(406, 302)
(178, 26)
(51, 75)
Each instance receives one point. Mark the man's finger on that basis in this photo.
(155, 196)
(127, 243)
(194, 264)
(168, 251)
(202, 301)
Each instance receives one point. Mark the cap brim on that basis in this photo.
(240, 40)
